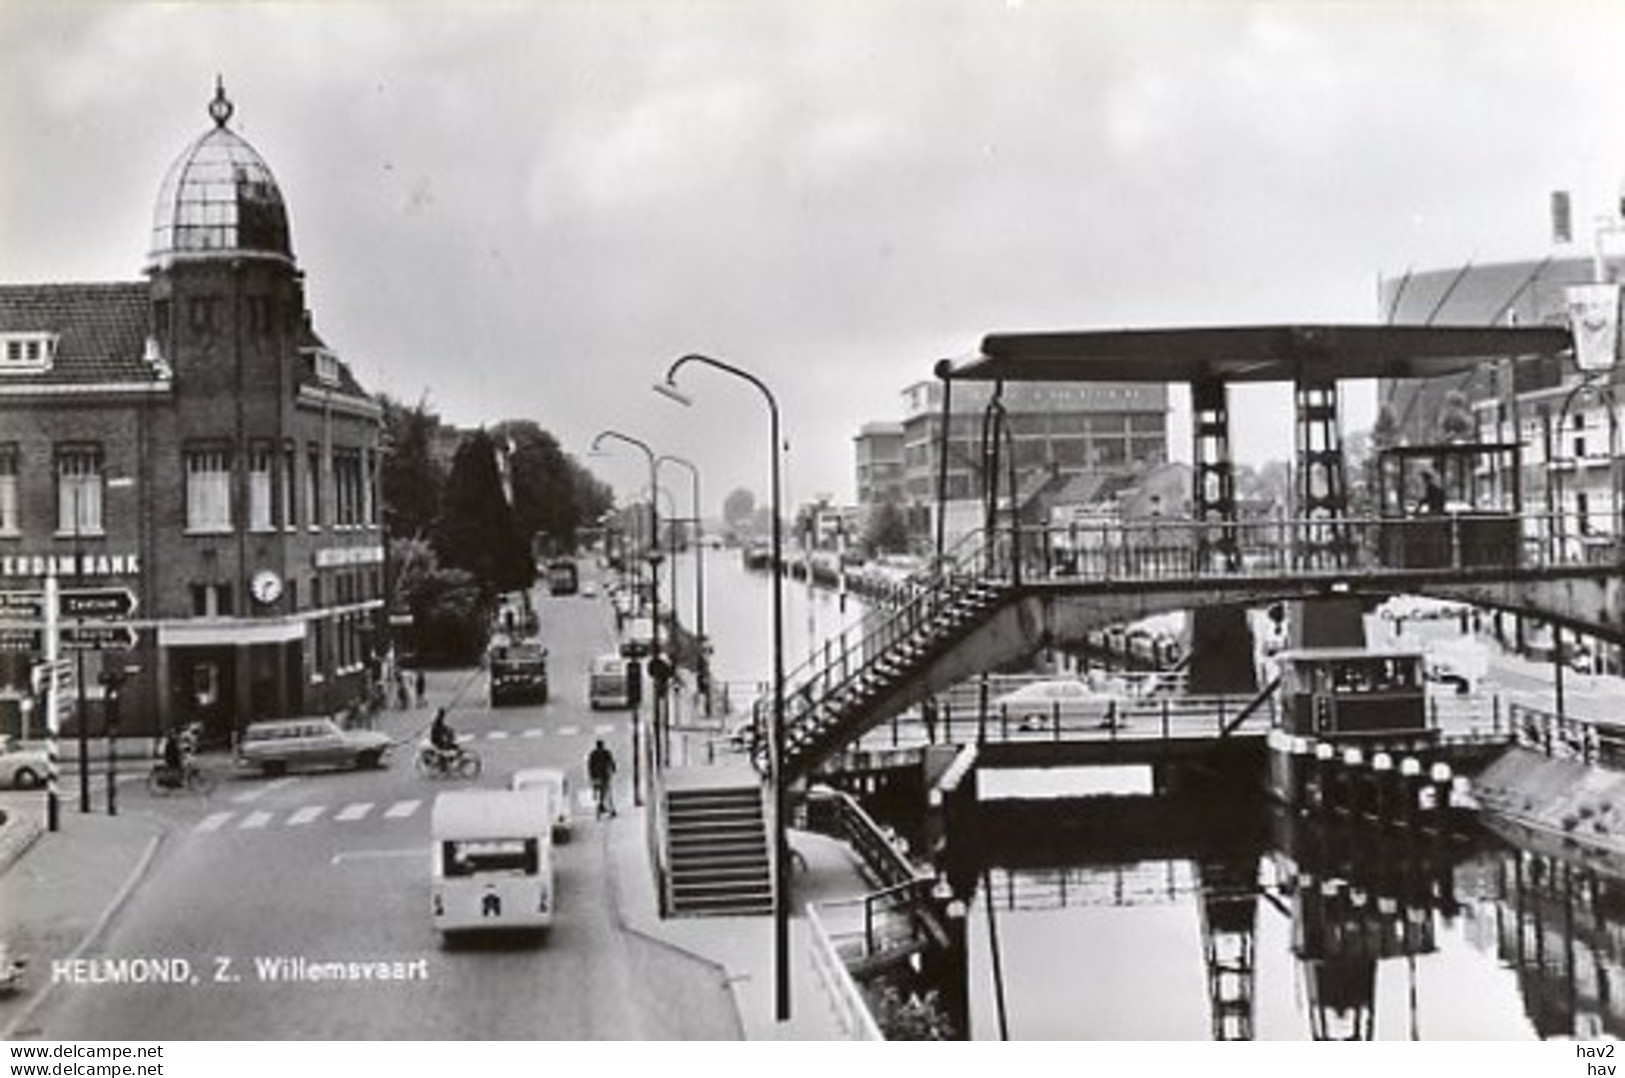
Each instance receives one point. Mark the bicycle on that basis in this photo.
(163, 781)
(448, 763)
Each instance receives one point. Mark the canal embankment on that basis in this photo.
(1580, 801)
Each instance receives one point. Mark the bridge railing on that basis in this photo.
(1567, 737)
(1165, 548)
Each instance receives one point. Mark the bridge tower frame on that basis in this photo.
(1321, 484)
(1213, 475)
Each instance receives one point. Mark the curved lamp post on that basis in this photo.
(702, 666)
(654, 569)
(781, 844)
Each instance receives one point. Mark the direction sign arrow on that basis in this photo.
(15, 639)
(22, 604)
(98, 603)
(98, 637)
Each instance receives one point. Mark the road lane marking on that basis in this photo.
(569, 731)
(377, 855)
(248, 796)
(306, 815)
(497, 735)
(604, 728)
(353, 812)
(401, 809)
(532, 732)
(254, 820)
(214, 821)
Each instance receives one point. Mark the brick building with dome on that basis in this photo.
(191, 438)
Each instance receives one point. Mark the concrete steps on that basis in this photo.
(718, 852)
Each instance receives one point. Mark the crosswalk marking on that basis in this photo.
(532, 732)
(248, 796)
(306, 815)
(213, 821)
(401, 809)
(604, 728)
(254, 820)
(569, 731)
(354, 812)
(497, 735)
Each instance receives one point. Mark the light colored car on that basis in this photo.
(1038, 703)
(557, 785)
(279, 744)
(22, 764)
(589, 589)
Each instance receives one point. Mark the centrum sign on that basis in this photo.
(98, 603)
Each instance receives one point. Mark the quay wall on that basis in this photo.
(1584, 804)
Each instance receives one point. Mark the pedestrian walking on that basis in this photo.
(601, 770)
(422, 687)
(403, 696)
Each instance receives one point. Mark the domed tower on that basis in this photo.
(269, 460)
(221, 262)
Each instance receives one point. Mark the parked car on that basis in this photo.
(1037, 704)
(22, 764)
(557, 785)
(279, 744)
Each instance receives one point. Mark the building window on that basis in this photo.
(208, 490)
(200, 312)
(369, 482)
(347, 486)
(9, 524)
(313, 487)
(79, 491)
(211, 600)
(260, 516)
(27, 353)
(290, 487)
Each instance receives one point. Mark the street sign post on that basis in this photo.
(98, 638)
(109, 603)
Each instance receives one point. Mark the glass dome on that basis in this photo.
(219, 197)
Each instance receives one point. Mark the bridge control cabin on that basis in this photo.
(1353, 693)
(1451, 505)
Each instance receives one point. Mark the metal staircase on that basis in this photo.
(833, 700)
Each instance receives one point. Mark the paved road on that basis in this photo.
(333, 866)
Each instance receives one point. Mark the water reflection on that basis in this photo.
(1303, 930)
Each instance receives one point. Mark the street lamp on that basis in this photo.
(654, 590)
(701, 667)
(781, 844)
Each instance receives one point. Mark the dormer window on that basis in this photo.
(325, 365)
(27, 353)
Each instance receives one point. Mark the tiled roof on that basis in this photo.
(102, 331)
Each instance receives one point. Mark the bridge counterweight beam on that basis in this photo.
(1213, 479)
(1322, 481)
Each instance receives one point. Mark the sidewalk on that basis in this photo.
(59, 891)
(743, 947)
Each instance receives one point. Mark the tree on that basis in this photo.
(1385, 431)
(886, 531)
(553, 495)
(412, 481)
(476, 530)
(738, 508)
(1456, 422)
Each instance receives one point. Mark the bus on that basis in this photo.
(491, 860)
(518, 671)
(562, 576)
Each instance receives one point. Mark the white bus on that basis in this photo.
(492, 860)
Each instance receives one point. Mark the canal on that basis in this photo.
(1246, 924)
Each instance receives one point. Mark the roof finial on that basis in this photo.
(220, 108)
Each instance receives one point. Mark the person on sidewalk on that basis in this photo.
(422, 687)
(601, 770)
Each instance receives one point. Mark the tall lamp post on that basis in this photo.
(781, 844)
(654, 588)
(702, 664)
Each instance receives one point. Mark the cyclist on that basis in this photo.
(174, 755)
(443, 738)
(601, 770)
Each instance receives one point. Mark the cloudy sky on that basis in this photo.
(529, 209)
